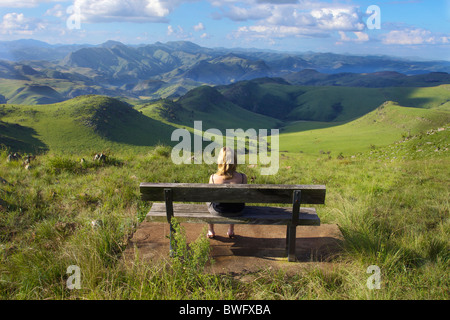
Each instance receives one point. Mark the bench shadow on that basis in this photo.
(308, 249)
(253, 248)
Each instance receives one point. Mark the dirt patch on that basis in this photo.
(254, 247)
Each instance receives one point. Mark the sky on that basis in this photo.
(406, 28)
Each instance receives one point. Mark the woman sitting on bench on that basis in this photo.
(226, 174)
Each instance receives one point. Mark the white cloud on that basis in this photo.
(179, 33)
(126, 10)
(272, 31)
(57, 11)
(285, 18)
(16, 23)
(360, 37)
(414, 37)
(199, 27)
(25, 3)
(170, 30)
(254, 12)
(345, 18)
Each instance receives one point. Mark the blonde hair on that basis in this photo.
(226, 162)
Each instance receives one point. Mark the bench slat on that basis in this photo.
(198, 213)
(249, 193)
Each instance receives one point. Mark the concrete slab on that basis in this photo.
(255, 247)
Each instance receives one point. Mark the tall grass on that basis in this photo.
(393, 213)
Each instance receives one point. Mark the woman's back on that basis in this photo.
(226, 174)
(238, 178)
(228, 208)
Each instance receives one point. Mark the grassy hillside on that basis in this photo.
(36, 94)
(428, 98)
(276, 98)
(377, 193)
(335, 103)
(317, 119)
(271, 97)
(393, 213)
(94, 123)
(98, 123)
(20, 138)
(383, 79)
(207, 104)
(385, 125)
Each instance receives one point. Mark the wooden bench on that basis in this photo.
(292, 216)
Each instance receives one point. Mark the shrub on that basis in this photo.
(59, 164)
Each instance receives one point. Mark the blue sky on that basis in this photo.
(408, 28)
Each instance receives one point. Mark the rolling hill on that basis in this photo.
(383, 126)
(207, 104)
(95, 123)
(310, 118)
(340, 119)
(86, 123)
(279, 99)
(311, 77)
(35, 94)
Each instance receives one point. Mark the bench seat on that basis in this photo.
(173, 193)
(198, 213)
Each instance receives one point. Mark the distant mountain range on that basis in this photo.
(35, 72)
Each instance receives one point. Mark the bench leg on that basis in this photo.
(171, 247)
(169, 213)
(287, 237)
(291, 236)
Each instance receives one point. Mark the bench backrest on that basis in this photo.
(248, 193)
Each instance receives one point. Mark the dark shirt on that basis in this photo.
(225, 207)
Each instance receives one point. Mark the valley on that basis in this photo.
(118, 97)
(310, 119)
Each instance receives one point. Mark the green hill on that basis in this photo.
(20, 138)
(97, 123)
(385, 125)
(310, 119)
(207, 104)
(335, 103)
(35, 94)
(276, 98)
(92, 123)
(310, 77)
(271, 97)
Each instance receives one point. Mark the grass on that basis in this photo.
(381, 127)
(93, 123)
(387, 189)
(96, 123)
(393, 213)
